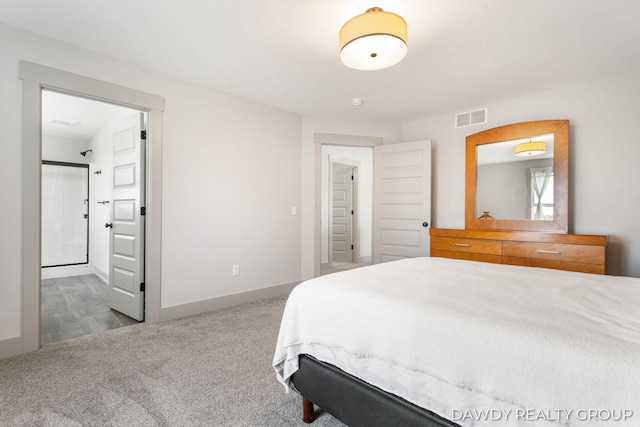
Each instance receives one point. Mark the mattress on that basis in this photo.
(476, 343)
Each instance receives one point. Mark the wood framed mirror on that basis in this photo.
(509, 187)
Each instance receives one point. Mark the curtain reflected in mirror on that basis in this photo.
(541, 193)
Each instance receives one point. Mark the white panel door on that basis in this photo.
(126, 252)
(342, 213)
(402, 200)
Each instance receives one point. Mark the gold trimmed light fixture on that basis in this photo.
(374, 40)
(530, 149)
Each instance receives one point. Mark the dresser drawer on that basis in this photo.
(455, 244)
(572, 252)
(469, 256)
(584, 254)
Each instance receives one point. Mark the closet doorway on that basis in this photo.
(79, 139)
(346, 207)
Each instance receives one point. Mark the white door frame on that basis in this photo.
(36, 78)
(333, 159)
(319, 140)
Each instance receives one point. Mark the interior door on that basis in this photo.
(342, 213)
(402, 200)
(126, 247)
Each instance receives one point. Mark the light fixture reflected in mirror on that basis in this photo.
(530, 149)
(374, 40)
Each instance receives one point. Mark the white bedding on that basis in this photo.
(528, 346)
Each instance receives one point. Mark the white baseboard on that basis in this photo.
(66, 271)
(191, 309)
(104, 276)
(10, 347)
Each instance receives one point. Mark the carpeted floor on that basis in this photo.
(208, 370)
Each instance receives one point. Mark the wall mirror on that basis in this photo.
(517, 177)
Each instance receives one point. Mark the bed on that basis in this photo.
(445, 342)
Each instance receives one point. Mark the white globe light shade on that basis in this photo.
(374, 40)
(373, 52)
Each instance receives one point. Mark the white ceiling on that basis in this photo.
(462, 53)
(85, 117)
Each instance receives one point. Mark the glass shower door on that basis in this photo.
(65, 214)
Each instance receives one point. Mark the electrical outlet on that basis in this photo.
(235, 270)
(294, 210)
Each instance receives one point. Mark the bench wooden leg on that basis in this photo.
(308, 414)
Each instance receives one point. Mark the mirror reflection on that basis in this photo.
(515, 179)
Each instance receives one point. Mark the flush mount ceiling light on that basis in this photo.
(374, 40)
(529, 149)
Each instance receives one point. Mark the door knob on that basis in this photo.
(425, 224)
(109, 225)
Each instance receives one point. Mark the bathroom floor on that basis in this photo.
(77, 306)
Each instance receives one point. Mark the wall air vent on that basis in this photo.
(62, 122)
(472, 118)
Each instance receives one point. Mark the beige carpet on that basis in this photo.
(208, 370)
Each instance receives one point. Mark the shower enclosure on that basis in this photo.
(65, 214)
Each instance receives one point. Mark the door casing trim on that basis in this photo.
(35, 78)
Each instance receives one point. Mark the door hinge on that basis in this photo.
(351, 211)
(143, 211)
(141, 287)
(351, 177)
(351, 247)
(143, 135)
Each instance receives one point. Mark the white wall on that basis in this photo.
(604, 155)
(231, 172)
(364, 201)
(58, 149)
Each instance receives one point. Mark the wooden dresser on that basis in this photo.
(572, 252)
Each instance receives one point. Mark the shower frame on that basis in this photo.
(88, 217)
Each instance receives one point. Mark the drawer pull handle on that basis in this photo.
(540, 251)
(464, 245)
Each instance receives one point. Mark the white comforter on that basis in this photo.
(477, 343)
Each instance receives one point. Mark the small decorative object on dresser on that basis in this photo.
(485, 215)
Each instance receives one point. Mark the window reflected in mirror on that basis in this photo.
(541, 180)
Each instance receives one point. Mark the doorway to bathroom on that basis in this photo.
(82, 142)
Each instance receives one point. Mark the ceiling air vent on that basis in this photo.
(471, 118)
